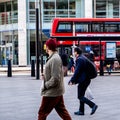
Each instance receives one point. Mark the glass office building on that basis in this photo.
(18, 23)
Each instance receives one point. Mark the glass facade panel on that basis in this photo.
(116, 8)
(31, 12)
(8, 12)
(15, 12)
(9, 47)
(72, 8)
(15, 5)
(2, 7)
(62, 8)
(8, 6)
(48, 11)
(58, 8)
(9, 38)
(100, 8)
(107, 8)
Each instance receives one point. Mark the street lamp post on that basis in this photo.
(37, 40)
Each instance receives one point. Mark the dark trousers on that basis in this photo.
(81, 92)
(47, 105)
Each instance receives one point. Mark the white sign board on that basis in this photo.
(110, 50)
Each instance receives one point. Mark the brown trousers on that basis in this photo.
(47, 105)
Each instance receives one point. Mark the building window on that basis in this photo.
(15, 12)
(116, 8)
(100, 9)
(48, 11)
(31, 17)
(2, 7)
(71, 8)
(9, 47)
(58, 8)
(107, 9)
(8, 12)
(62, 8)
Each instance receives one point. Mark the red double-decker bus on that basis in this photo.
(87, 29)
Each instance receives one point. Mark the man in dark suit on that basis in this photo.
(83, 82)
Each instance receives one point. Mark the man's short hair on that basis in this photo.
(78, 50)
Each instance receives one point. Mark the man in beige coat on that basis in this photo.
(53, 87)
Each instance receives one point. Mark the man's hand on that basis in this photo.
(42, 76)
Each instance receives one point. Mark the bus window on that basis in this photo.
(118, 28)
(81, 27)
(111, 27)
(97, 27)
(64, 27)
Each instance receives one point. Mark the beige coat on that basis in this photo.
(53, 77)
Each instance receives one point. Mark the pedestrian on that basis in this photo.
(53, 85)
(79, 77)
(91, 55)
(64, 58)
(71, 64)
(109, 65)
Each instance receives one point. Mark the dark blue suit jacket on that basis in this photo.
(79, 74)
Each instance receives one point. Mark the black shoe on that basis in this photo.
(78, 113)
(94, 109)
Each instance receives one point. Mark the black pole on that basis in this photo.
(37, 42)
(9, 69)
(101, 61)
(32, 68)
(41, 42)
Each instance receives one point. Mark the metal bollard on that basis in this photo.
(101, 68)
(32, 68)
(9, 69)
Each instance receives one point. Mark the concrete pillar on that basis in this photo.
(88, 9)
(22, 33)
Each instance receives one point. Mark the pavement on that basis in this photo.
(20, 98)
